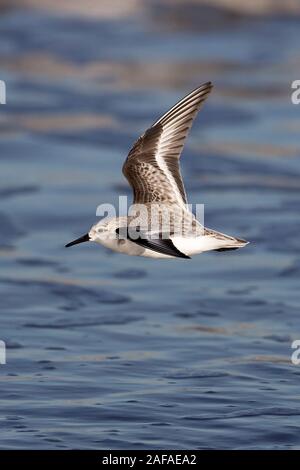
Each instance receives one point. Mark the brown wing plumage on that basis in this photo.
(152, 166)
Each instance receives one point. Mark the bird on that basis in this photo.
(153, 171)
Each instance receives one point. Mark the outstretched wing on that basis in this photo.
(152, 166)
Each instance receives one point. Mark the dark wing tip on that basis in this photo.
(206, 84)
(186, 257)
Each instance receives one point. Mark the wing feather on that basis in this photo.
(152, 166)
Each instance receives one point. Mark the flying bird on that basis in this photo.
(152, 170)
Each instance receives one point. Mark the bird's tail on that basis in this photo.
(226, 242)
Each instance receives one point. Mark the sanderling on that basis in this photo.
(152, 169)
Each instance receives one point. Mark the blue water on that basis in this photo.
(106, 351)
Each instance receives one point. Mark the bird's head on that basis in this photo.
(98, 232)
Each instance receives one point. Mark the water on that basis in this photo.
(108, 351)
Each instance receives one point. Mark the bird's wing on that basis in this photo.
(152, 165)
(158, 243)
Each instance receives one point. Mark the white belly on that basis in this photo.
(188, 246)
(194, 246)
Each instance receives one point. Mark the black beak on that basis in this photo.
(84, 238)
